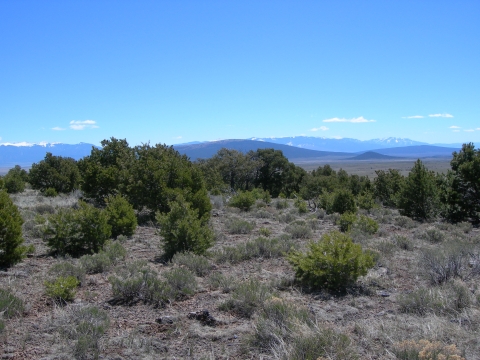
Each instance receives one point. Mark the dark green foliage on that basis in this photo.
(62, 289)
(333, 263)
(55, 172)
(10, 305)
(77, 231)
(366, 201)
(343, 201)
(183, 231)
(12, 249)
(419, 197)
(462, 197)
(121, 216)
(50, 192)
(15, 180)
(148, 176)
(301, 205)
(276, 174)
(244, 200)
(387, 186)
(346, 221)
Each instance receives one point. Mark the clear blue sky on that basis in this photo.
(180, 71)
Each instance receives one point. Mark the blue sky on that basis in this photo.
(179, 71)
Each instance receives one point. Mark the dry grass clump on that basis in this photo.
(83, 327)
(238, 226)
(260, 247)
(451, 298)
(246, 298)
(299, 229)
(197, 264)
(223, 282)
(426, 350)
(455, 260)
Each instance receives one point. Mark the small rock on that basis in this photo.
(164, 320)
(204, 317)
(383, 293)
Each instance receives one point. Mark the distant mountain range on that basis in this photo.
(340, 145)
(299, 148)
(27, 154)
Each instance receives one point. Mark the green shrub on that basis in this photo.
(246, 298)
(54, 174)
(238, 226)
(419, 195)
(65, 269)
(12, 249)
(346, 221)
(366, 201)
(366, 225)
(121, 216)
(15, 180)
(343, 201)
(10, 305)
(301, 205)
(181, 281)
(50, 192)
(266, 232)
(334, 262)
(183, 231)
(62, 289)
(77, 232)
(196, 263)
(244, 200)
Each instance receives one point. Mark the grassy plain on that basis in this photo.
(368, 168)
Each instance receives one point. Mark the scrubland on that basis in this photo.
(421, 300)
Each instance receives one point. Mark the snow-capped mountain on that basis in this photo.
(343, 144)
(25, 154)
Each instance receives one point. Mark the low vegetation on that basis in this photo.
(126, 259)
